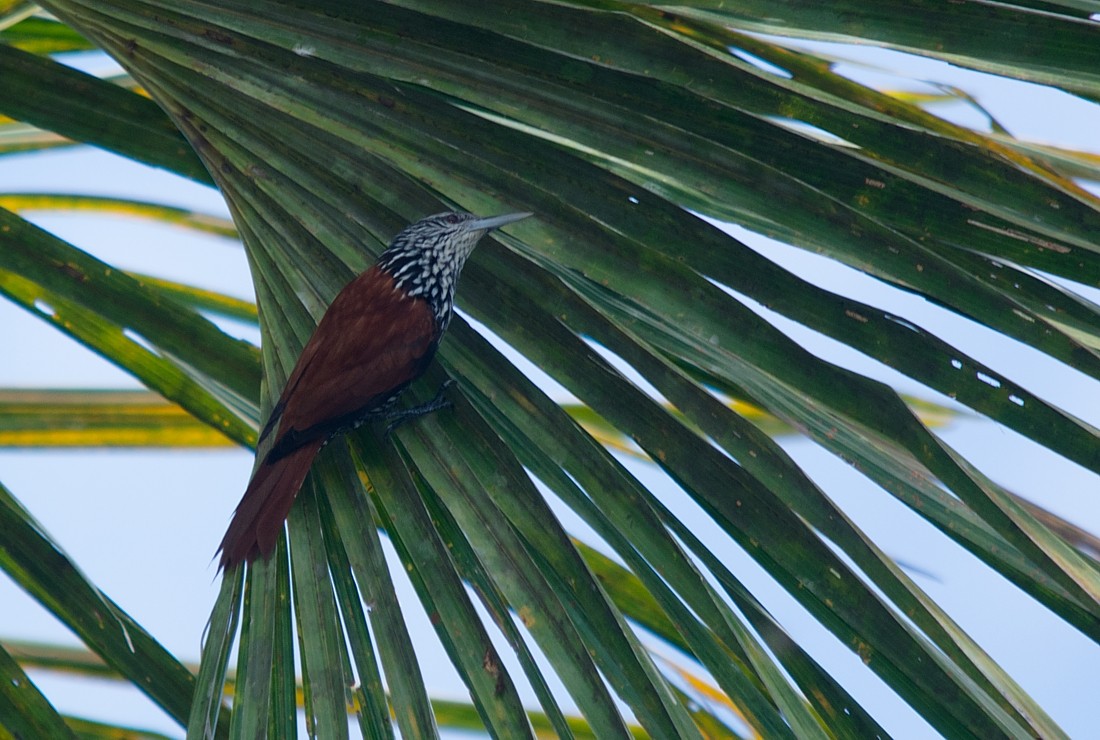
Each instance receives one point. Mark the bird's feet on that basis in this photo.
(399, 417)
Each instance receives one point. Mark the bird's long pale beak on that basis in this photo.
(494, 222)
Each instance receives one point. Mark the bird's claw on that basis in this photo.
(437, 403)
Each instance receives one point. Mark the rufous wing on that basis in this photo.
(373, 341)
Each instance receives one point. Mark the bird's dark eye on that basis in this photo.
(453, 218)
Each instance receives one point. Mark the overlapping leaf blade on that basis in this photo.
(1031, 40)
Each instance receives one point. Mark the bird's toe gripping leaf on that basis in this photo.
(397, 418)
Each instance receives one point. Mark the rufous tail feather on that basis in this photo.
(259, 517)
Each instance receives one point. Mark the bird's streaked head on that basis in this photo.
(426, 257)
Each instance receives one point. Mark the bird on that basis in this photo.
(379, 335)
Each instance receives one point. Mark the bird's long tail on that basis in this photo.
(259, 517)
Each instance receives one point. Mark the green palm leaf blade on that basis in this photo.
(1049, 43)
(39, 567)
(26, 712)
(327, 134)
(34, 418)
(42, 35)
(70, 202)
(137, 327)
(40, 91)
(845, 319)
(698, 475)
(81, 662)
